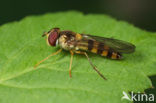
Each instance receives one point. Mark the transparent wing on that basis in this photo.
(113, 44)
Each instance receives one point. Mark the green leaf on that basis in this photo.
(22, 47)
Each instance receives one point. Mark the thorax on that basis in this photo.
(66, 42)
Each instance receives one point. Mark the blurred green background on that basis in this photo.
(141, 13)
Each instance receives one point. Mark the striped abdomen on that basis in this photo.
(100, 48)
(96, 47)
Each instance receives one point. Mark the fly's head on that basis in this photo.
(52, 36)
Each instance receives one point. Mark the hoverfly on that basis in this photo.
(83, 43)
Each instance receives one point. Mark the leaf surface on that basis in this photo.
(22, 47)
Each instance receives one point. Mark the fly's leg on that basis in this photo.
(71, 59)
(48, 57)
(80, 52)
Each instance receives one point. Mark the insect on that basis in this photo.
(83, 43)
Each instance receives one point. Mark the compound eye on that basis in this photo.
(53, 36)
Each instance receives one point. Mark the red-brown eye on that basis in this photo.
(52, 38)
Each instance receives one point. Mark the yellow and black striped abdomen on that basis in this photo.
(100, 48)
